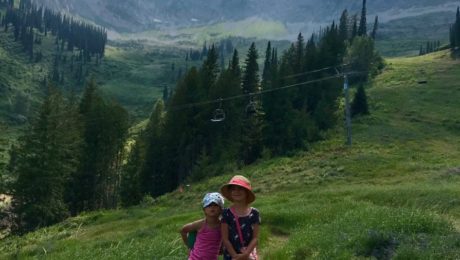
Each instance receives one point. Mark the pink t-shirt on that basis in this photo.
(207, 244)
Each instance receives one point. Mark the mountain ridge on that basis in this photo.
(140, 15)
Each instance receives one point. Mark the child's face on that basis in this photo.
(239, 194)
(213, 210)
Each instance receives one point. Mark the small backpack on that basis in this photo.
(191, 238)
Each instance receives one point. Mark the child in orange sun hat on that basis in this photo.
(240, 222)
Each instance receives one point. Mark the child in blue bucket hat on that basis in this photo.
(203, 237)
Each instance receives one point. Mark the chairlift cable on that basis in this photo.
(186, 106)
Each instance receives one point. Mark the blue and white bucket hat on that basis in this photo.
(213, 197)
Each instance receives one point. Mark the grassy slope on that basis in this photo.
(132, 76)
(17, 75)
(396, 191)
(403, 37)
(250, 28)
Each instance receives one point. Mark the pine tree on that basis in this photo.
(131, 189)
(362, 30)
(362, 57)
(311, 93)
(165, 94)
(354, 28)
(209, 72)
(252, 140)
(251, 74)
(267, 65)
(343, 26)
(204, 51)
(46, 159)
(152, 178)
(456, 29)
(180, 150)
(105, 128)
(235, 65)
(376, 25)
(359, 105)
(299, 54)
(226, 135)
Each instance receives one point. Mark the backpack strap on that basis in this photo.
(238, 227)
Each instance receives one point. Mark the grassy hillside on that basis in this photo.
(256, 28)
(131, 74)
(395, 193)
(404, 36)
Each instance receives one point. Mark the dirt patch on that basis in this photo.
(453, 171)
(6, 215)
(5, 198)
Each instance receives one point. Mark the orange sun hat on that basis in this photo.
(238, 180)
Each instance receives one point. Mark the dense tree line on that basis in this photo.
(6, 3)
(225, 48)
(31, 22)
(69, 160)
(182, 143)
(455, 31)
(429, 47)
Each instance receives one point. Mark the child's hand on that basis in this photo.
(241, 257)
(245, 253)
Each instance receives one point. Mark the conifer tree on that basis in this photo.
(235, 65)
(165, 93)
(376, 25)
(226, 135)
(105, 128)
(359, 105)
(152, 178)
(131, 186)
(311, 93)
(267, 65)
(181, 149)
(344, 30)
(456, 29)
(209, 72)
(299, 54)
(354, 28)
(280, 116)
(362, 30)
(251, 73)
(46, 159)
(252, 140)
(204, 51)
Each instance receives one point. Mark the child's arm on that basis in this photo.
(190, 227)
(226, 242)
(254, 240)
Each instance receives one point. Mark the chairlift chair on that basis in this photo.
(251, 108)
(219, 114)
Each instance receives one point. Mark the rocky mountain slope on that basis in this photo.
(140, 15)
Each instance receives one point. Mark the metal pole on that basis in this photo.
(347, 110)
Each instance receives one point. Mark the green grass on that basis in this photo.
(394, 194)
(249, 28)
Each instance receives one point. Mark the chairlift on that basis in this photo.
(251, 108)
(219, 114)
